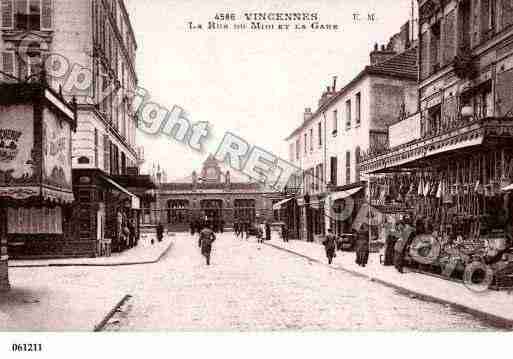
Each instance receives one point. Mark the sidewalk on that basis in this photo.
(144, 253)
(491, 305)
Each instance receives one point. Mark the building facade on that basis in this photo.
(212, 194)
(86, 49)
(349, 122)
(458, 148)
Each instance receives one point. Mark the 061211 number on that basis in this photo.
(26, 347)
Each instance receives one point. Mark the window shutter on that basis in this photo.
(8, 64)
(46, 14)
(424, 64)
(7, 14)
(504, 93)
(507, 13)
(449, 33)
(106, 153)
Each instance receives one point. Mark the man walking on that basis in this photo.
(330, 245)
(267, 231)
(206, 238)
(160, 232)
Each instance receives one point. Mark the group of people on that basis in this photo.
(241, 228)
(361, 245)
(264, 232)
(216, 225)
(126, 234)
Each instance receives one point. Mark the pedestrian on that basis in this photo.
(191, 226)
(131, 233)
(261, 232)
(236, 228)
(284, 232)
(206, 238)
(267, 231)
(222, 225)
(362, 245)
(160, 232)
(330, 245)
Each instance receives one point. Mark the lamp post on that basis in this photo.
(308, 215)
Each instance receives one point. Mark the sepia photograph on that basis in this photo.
(256, 166)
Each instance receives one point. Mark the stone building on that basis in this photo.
(458, 148)
(347, 123)
(87, 50)
(214, 193)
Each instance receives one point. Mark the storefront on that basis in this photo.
(457, 186)
(36, 193)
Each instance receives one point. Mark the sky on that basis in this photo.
(257, 83)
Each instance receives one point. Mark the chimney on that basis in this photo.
(381, 55)
(308, 114)
(334, 84)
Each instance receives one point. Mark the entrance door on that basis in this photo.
(212, 209)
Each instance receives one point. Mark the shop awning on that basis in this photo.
(135, 202)
(278, 205)
(343, 194)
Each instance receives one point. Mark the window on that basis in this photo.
(306, 143)
(106, 154)
(33, 15)
(333, 171)
(335, 122)
(320, 177)
(291, 152)
(8, 65)
(298, 148)
(487, 18)
(319, 127)
(348, 167)
(357, 155)
(434, 49)
(96, 147)
(358, 109)
(348, 113)
(311, 140)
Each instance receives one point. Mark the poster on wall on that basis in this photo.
(34, 220)
(56, 150)
(16, 143)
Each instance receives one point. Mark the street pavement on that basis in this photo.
(251, 286)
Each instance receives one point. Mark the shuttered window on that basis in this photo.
(504, 93)
(46, 14)
(424, 53)
(106, 154)
(8, 65)
(333, 168)
(357, 164)
(507, 13)
(7, 14)
(449, 33)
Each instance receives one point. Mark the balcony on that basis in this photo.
(378, 144)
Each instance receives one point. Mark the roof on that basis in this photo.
(403, 66)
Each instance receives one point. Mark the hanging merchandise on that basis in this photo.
(439, 190)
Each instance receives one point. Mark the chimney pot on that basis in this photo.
(376, 46)
(382, 47)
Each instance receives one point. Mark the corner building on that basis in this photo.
(87, 49)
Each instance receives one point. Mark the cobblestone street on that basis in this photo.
(256, 287)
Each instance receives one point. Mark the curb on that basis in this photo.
(495, 320)
(119, 264)
(99, 327)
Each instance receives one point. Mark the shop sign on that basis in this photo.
(405, 131)
(56, 150)
(16, 142)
